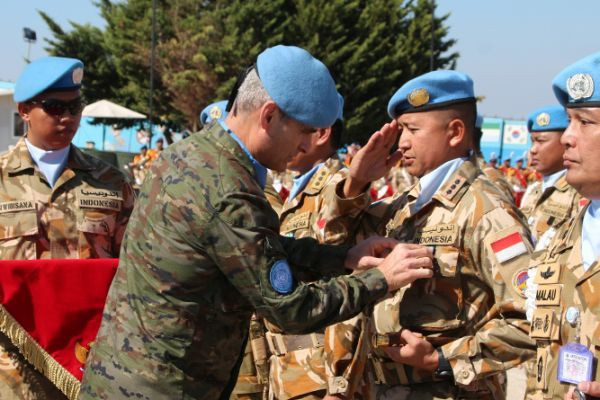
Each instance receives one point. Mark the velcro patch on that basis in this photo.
(19, 205)
(509, 247)
(107, 204)
(437, 235)
(300, 221)
(101, 193)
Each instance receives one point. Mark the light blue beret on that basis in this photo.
(479, 121)
(550, 118)
(341, 112)
(430, 91)
(578, 85)
(214, 111)
(299, 84)
(48, 73)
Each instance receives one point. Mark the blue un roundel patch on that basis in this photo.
(281, 277)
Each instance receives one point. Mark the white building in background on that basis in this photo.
(11, 125)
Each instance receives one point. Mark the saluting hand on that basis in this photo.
(373, 161)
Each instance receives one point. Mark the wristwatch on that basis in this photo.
(443, 371)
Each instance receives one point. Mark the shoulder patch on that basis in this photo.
(519, 282)
(281, 277)
(509, 247)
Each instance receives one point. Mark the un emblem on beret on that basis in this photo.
(215, 112)
(77, 76)
(418, 97)
(580, 86)
(543, 119)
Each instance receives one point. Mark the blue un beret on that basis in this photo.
(214, 111)
(299, 84)
(430, 91)
(48, 73)
(550, 118)
(578, 84)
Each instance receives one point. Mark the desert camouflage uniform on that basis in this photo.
(472, 308)
(83, 216)
(498, 178)
(196, 262)
(560, 269)
(547, 211)
(300, 373)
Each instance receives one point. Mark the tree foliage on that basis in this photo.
(371, 47)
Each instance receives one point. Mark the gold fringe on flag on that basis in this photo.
(38, 357)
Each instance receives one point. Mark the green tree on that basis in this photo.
(371, 47)
(86, 43)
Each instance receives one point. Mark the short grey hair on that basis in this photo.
(251, 94)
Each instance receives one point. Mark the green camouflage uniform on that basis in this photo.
(83, 216)
(195, 265)
(560, 269)
(472, 308)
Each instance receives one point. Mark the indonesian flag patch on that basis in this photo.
(509, 247)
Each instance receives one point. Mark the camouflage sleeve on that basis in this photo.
(123, 217)
(312, 257)
(501, 247)
(338, 215)
(243, 242)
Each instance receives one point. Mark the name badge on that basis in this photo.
(542, 324)
(438, 235)
(547, 273)
(540, 368)
(101, 193)
(14, 206)
(548, 295)
(575, 363)
(300, 221)
(555, 210)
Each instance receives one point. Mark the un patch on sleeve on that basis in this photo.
(281, 277)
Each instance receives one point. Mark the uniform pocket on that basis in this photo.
(15, 230)
(96, 230)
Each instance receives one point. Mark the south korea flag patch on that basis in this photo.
(509, 247)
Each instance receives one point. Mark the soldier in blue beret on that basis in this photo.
(453, 335)
(203, 251)
(566, 326)
(66, 204)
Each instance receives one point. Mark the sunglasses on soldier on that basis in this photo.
(58, 107)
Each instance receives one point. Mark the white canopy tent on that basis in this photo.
(108, 110)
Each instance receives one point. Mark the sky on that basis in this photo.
(511, 48)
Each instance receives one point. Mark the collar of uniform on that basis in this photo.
(452, 190)
(260, 171)
(224, 140)
(551, 180)
(19, 158)
(561, 184)
(79, 161)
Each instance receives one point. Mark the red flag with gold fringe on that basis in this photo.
(51, 310)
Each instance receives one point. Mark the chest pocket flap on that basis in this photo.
(17, 224)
